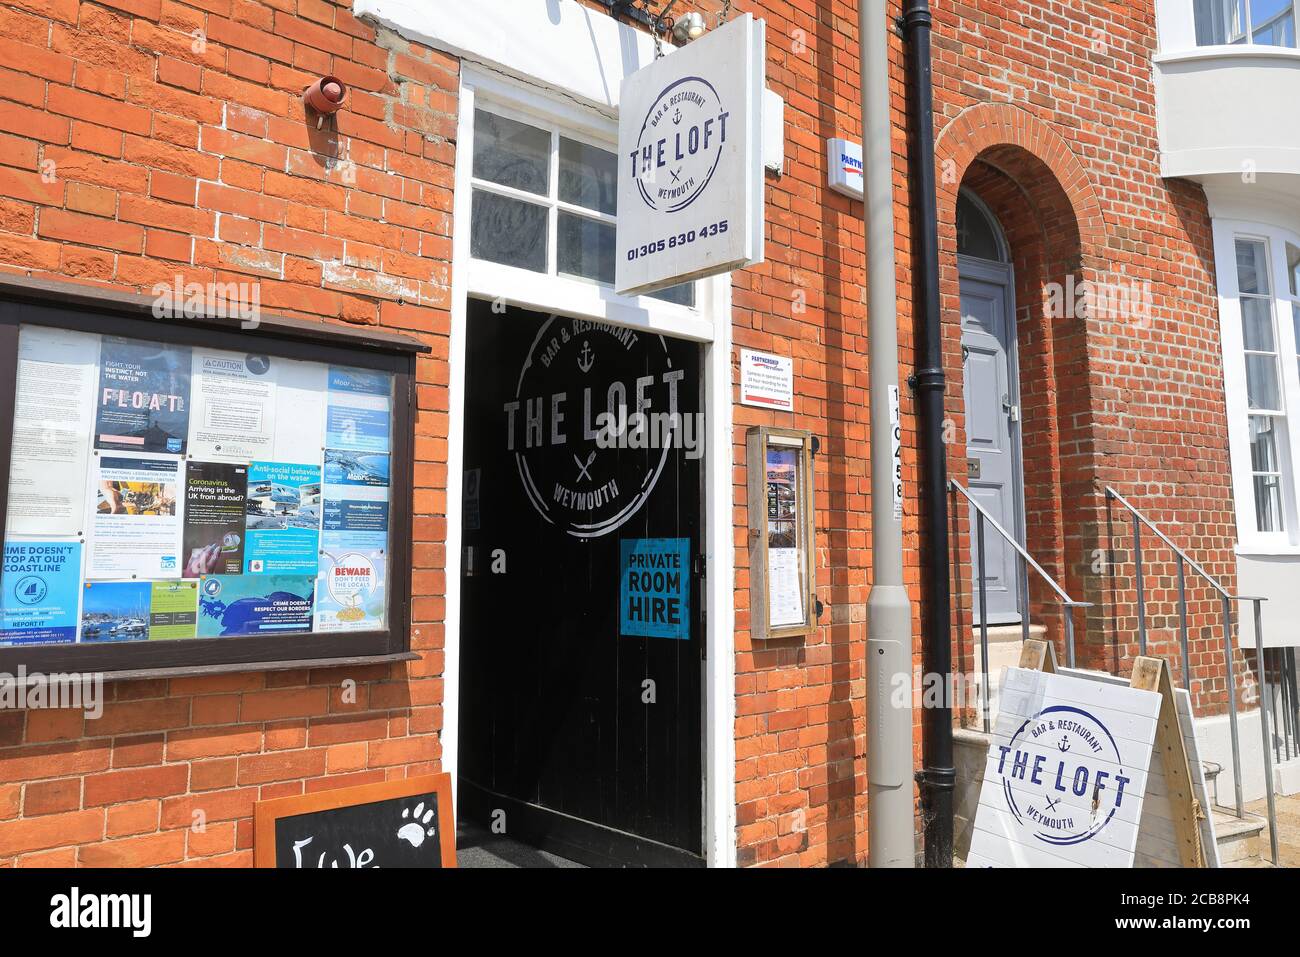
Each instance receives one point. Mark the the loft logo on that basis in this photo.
(581, 383)
(1062, 776)
(680, 144)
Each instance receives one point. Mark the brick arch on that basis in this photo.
(999, 126)
(1038, 190)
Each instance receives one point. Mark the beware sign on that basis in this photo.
(654, 598)
(1066, 773)
(690, 171)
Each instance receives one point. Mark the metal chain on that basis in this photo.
(724, 13)
(654, 30)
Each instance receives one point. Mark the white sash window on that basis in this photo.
(1259, 286)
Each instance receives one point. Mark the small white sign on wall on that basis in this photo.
(690, 170)
(766, 381)
(844, 165)
(1066, 773)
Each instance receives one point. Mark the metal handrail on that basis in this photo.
(1068, 604)
(1213, 582)
(1225, 600)
(1010, 539)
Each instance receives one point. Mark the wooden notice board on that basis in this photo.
(406, 823)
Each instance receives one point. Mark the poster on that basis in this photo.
(654, 596)
(358, 413)
(143, 402)
(215, 494)
(115, 611)
(356, 468)
(785, 587)
(53, 399)
(40, 588)
(234, 406)
(173, 609)
(350, 589)
(356, 491)
(283, 515)
(299, 411)
(362, 510)
(766, 381)
(134, 530)
(231, 605)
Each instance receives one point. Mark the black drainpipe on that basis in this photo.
(937, 776)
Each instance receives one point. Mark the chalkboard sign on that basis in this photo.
(406, 823)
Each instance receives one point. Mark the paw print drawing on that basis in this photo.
(417, 828)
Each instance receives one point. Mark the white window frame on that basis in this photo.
(1226, 234)
(551, 290)
(708, 322)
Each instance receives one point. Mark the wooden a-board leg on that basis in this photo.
(1152, 674)
(1038, 655)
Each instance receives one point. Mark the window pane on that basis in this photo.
(1252, 267)
(509, 231)
(683, 295)
(1257, 325)
(586, 248)
(1263, 444)
(1293, 268)
(1212, 21)
(1295, 321)
(512, 154)
(976, 236)
(1262, 390)
(1268, 503)
(588, 176)
(1272, 22)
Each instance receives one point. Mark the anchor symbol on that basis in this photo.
(1064, 744)
(587, 359)
(677, 116)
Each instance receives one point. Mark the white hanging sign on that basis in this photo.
(690, 174)
(1066, 773)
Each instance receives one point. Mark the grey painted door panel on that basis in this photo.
(992, 436)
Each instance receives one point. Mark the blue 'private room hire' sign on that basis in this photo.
(654, 597)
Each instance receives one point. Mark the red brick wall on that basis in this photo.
(172, 157)
(145, 139)
(1048, 111)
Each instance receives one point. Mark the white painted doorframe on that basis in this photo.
(712, 328)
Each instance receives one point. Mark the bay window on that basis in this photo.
(1259, 22)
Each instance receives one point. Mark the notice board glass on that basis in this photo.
(180, 488)
(781, 532)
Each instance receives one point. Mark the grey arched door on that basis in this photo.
(991, 390)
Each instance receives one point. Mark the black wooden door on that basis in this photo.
(580, 694)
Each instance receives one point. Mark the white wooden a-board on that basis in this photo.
(1079, 736)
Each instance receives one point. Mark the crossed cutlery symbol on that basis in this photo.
(582, 469)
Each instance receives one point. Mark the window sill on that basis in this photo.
(313, 664)
(1229, 51)
(1267, 550)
